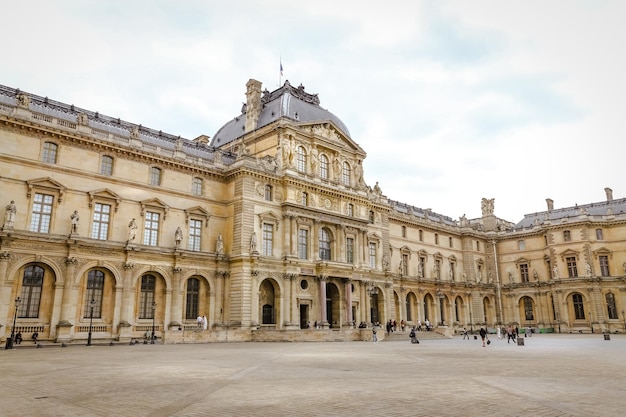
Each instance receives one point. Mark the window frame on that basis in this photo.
(50, 152)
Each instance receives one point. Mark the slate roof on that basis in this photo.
(292, 103)
(600, 209)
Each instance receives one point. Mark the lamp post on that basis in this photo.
(153, 310)
(9, 343)
(92, 304)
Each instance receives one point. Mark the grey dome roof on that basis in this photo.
(287, 101)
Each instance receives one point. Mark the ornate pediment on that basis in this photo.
(104, 194)
(197, 211)
(46, 184)
(154, 203)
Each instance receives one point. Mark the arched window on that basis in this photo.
(32, 284)
(146, 298)
(49, 154)
(579, 309)
(95, 287)
(610, 306)
(301, 161)
(323, 167)
(528, 308)
(193, 298)
(345, 174)
(324, 245)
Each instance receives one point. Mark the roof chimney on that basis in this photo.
(550, 204)
(253, 104)
(609, 194)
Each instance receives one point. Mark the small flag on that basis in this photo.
(281, 68)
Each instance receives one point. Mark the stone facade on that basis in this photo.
(281, 238)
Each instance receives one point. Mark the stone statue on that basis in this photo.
(314, 161)
(624, 267)
(219, 246)
(9, 216)
(253, 242)
(587, 269)
(75, 218)
(377, 189)
(510, 276)
(132, 231)
(487, 206)
(555, 272)
(178, 236)
(358, 171)
(535, 274)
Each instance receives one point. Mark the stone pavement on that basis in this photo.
(551, 375)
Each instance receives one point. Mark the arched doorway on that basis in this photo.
(333, 316)
(268, 302)
(430, 309)
(411, 308)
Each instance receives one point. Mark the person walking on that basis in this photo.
(374, 338)
(483, 335)
(465, 334)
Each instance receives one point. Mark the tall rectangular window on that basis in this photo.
(146, 297)
(604, 265)
(155, 176)
(151, 229)
(304, 199)
(100, 224)
(372, 254)
(49, 154)
(32, 284)
(350, 210)
(42, 213)
(567, 236)
(106, 165)
(268, 239)
(196, 186)
(436, 238)
(195, 232)
(350, 250)
(572, 271)
(95, 287)
(523, 271)
(521, 245)
(405, 264)
(303, 244)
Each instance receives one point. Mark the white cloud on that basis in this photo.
(453, 101)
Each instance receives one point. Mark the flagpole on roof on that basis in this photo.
(280, 73)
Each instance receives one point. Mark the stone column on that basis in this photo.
(176, 311)
(69, 303)
(348, 289)
(323, 313)
(126, 317)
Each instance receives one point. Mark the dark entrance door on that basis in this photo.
(304, 316)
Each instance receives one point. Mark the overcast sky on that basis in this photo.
(452, 100)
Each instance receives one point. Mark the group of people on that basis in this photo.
(18, 337)
(202, 322)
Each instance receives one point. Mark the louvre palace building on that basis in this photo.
(267, 229)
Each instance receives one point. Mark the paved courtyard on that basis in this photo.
(551, 375)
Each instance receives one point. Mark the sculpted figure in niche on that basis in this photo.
(253, 242)
(535, 274)
(75, 218)
(178, 236)
(336, 167)
(132, 230)
(9, 216)
(588, 269)
(219, 247)
(555, 272)
(314, 160)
